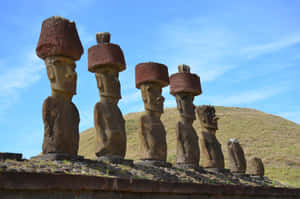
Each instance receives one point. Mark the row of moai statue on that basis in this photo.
(59, 46)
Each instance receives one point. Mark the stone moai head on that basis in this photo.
(236, 156)
(106, 60)
(184, 86)
(256, 167)
(151, 77)
(207, 117)
(59, 46)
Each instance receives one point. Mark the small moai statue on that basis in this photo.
(151, 77)
(237, 161)
(256, 167)
(185, 86)
(210, 148)
(59, 46)
(106, 60)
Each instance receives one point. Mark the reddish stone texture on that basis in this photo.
(151, 72)
(54, 182)
(59, 37)
(106, 54)
(185, 82)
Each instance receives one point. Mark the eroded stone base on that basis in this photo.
(217, 170)
(116, 160)
(57, 156)
(154, 163)
(13, 156)
(189, 166)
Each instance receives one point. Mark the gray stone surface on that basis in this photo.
(14, 156)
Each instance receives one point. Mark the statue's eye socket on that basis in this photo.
(56, 62)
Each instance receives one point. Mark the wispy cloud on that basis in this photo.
(197, 43)
(17, 78)
(131, 97)
(270, 47)
(245, 97)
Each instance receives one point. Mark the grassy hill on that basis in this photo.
(272, 138)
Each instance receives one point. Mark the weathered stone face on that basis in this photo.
(210, 149)
(185, 106)
(256, 167)
(62, 75)
(237, 161)
(151, 94)
(108, 84)
(207, 117)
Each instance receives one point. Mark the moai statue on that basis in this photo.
(184, 86)
(256, 167)
(210, 149)
(59, 46)
(106, 60)
(150, 78)
(237, 161)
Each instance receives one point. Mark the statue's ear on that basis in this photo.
(99, 82)
(145, 92)
(179, 103)
(50, 73)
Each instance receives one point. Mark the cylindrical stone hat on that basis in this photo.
(151, 72)
(105, 54)
(59, 37)
(185, 82)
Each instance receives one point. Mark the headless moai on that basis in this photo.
(106, 60)
(236, 156)
(256, 167)
(210, 149)
(59, 46)
(184, 86)
(150, 78)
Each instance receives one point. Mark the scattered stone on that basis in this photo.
(210, 148)
(12, 170)
(12, 156)
(151, 77)
(153, 163)
(115, 160)
(185, 86)
(59, 46)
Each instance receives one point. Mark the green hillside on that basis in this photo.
(272, 138)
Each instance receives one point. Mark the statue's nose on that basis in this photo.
(160, 99)
(71, 75)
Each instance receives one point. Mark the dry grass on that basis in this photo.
(270, 137)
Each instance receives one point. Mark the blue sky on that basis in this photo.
(245, 52)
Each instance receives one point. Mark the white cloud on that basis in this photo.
(131, 98)
(17, 78)
(244, 97)
(270, 47)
